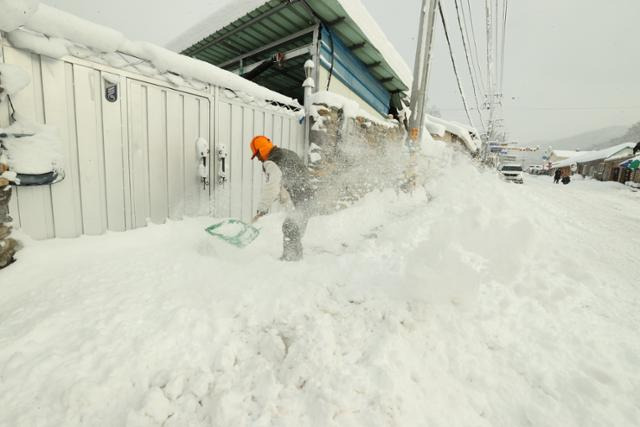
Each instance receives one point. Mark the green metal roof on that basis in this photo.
(280, 19)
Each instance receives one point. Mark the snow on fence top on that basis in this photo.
(592, 156)
(349, 107)
(26, 21)
(231, 10)
(438, 126)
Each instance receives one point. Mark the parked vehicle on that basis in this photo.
(536, 170)
(512, 173)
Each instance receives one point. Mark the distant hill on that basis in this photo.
(593, 140)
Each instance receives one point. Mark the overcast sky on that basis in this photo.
(571, 65)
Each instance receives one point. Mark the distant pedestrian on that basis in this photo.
(556, 176)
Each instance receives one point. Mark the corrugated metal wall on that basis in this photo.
(135, 160)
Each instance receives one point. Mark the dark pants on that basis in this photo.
(5, 196)
(293, 230)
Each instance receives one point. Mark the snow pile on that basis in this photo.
(57, 23)
(38, 153)
(470, 302)
(16, 13)
(38, 43)
(435, 128)
(12, 80)
(55, 33)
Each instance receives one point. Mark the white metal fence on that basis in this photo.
(135, 160)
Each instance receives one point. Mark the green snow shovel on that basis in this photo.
(234, 231)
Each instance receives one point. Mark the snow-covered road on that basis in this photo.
(481, 304)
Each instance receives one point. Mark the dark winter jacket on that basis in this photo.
(290, 173)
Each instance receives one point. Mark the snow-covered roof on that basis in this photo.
(232, 10)
(565, 154)
(591, 156)
(227, 11)
(51, 32)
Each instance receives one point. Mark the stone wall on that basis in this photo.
(352, 156)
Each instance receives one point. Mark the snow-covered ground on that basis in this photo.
(479, 303)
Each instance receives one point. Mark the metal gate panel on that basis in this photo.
(175, 154)
(235, 169)
(138, 153)
(205, 191)
(191, 133)
(247, 164)
(31, 207)
(286, 140)
(223, 137)
(258, 129)
(115, 153)
(277, 130)
(134, 158)
(90, 149)
(59, 111)
(157, 146)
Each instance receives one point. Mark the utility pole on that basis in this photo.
(419, 87)
(491, 136)
(421, 70)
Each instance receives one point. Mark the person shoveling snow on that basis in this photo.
(285, 172)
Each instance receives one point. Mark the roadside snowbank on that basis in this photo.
(475, 302)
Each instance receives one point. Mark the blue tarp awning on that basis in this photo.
(352, 72)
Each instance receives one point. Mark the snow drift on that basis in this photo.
(473, 302)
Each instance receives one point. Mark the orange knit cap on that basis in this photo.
(261, 144)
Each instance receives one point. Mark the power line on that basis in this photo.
(475, 46)
(496, 41)
(467, 55)
(577, 108)
(453, 62)
(504, 38)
